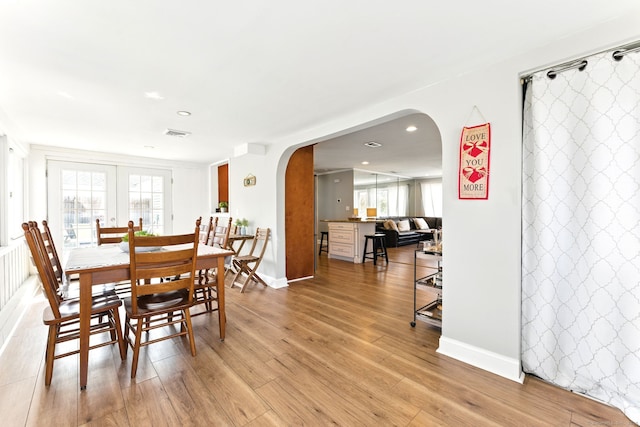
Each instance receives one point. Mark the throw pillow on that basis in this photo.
(392, 225)
(404, 225)
(421, 224)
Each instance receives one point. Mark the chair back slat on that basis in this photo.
(221, 234)
(175, 259)
(206, 232)
(42, 261)
(47, 238)
(259, 244)
(106, 235)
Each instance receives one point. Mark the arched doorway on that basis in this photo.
(403, 151)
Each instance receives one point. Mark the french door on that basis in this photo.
(80, 193)
(145, 193)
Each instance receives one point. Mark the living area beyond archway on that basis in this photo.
(406, 146)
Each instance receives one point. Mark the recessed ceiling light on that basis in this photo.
(373, 144)
(184, 113)
(153, 95)
(411, 128)
(365, 163)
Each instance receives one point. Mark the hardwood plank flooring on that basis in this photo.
(333, 350)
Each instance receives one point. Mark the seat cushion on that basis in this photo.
(70, 309)
(164, 302)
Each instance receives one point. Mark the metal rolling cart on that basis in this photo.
(430, 312)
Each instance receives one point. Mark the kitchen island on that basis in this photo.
(346, 238)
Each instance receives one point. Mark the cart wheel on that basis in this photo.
(413, 324)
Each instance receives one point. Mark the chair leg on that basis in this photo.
(136, 347)
(384, 248)
(251, 276)
(127, 334)
(376, 246)
(110, 320)
(245, 269)
(121, 343)
(187, 318)
(237, 273)
(51, 350)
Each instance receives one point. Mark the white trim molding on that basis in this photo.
(495, 363)
(276, 283)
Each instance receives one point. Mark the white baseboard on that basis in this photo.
(299, 279)
(495, 363)
(275, 283)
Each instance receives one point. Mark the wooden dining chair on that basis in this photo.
(206, 232)
(220, 234)
(156, 302)
(106, 235)
(67, 288)
(62, 316)
(247, 265)
(50, 246)
(206, 281)
(112, 234)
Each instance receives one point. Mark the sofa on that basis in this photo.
(400, 231)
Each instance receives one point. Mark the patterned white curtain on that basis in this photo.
(581, 230)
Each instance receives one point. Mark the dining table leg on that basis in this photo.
(222, 318)
(85, 322)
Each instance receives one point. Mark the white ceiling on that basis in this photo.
(414, 154)
(75, 73)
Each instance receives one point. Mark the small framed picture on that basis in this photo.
(249, 180)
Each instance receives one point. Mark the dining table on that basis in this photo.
(109, 263)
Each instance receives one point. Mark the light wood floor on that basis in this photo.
(334, 350)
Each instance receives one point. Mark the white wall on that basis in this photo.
(329, 192)
(482, 256)
(258, 203)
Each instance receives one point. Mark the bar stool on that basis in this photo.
(323, 246)
(379, 247)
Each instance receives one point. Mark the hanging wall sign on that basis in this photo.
(473, 176)
(249, 180)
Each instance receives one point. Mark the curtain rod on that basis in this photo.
(580, 65)
(617, 54)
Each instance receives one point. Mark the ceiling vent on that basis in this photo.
(373, 144)
(178, 133)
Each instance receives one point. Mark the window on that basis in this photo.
(80, 193)
(389, 199)
(432, 198)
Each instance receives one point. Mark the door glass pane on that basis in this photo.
(84, 197)
(146, 197)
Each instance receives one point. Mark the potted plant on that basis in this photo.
(241, 225)
(223, 206)
(124, 244)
